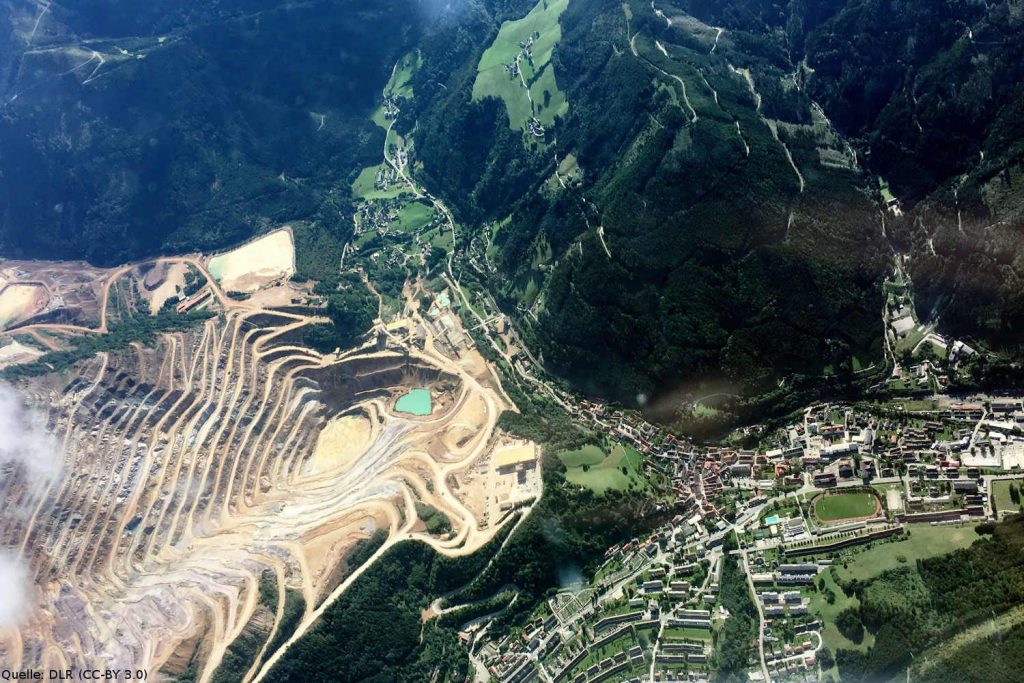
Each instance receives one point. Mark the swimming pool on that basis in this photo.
(774, 519)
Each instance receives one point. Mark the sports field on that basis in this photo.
(838, 506)
(589, 466)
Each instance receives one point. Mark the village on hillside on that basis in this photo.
(844, 484)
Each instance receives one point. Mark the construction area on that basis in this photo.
(192, 470)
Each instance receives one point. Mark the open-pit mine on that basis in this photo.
(196, 467)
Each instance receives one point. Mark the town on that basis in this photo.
(838, 484)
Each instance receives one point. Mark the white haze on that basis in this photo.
(24, 439)
(14, 590)
(27, 451)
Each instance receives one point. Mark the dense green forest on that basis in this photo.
(374, 631)
(709, 249)
(207, 132)
(722, 171)
(913, 610)
(737, 639)
(709, 243)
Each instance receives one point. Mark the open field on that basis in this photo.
(256, 263)
(363, 185)
(400, 83)
(588, 455)
(839, 506)
(925, 541)
(620, 470)
(828, 613)
(1001, 494)
(413, 215)
(545, 100)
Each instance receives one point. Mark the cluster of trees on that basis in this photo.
(351, 308)
(736, 641)
(911, 609)
(128, 330)
(436, 521)
(374, 631)
(204, 143)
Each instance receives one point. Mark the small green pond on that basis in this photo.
(416, 402)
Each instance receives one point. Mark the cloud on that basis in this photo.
(25, 440)
(14, 589)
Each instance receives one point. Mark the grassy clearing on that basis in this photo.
(919, 405)
(363, 185)
(908, 342)
(413, 215)
(493, 80)
(1001, 494)
(588, 455)
(838, 506)
(827, 614)
(687, 633)
(883, 187)
(925, 541)
(442, 239)
(400, 83)
(622, 469)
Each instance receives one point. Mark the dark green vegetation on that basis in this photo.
(436, 521)
(711, 250)
(911, 609)
(121, 334)
(993, 659)
(737, 639)
(374, 631)
(241, 655)
(706, 250)
(214, 135)
(723, 207)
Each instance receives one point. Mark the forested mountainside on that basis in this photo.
(129, 129)
(686, 236)
(931, 95)
(723, 220)
(684, 198)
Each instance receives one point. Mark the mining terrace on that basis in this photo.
(226, 454)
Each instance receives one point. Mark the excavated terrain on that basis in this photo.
(194, 469)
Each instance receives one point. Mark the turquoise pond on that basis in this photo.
(416, 402)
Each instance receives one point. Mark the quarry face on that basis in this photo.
(159, 486)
